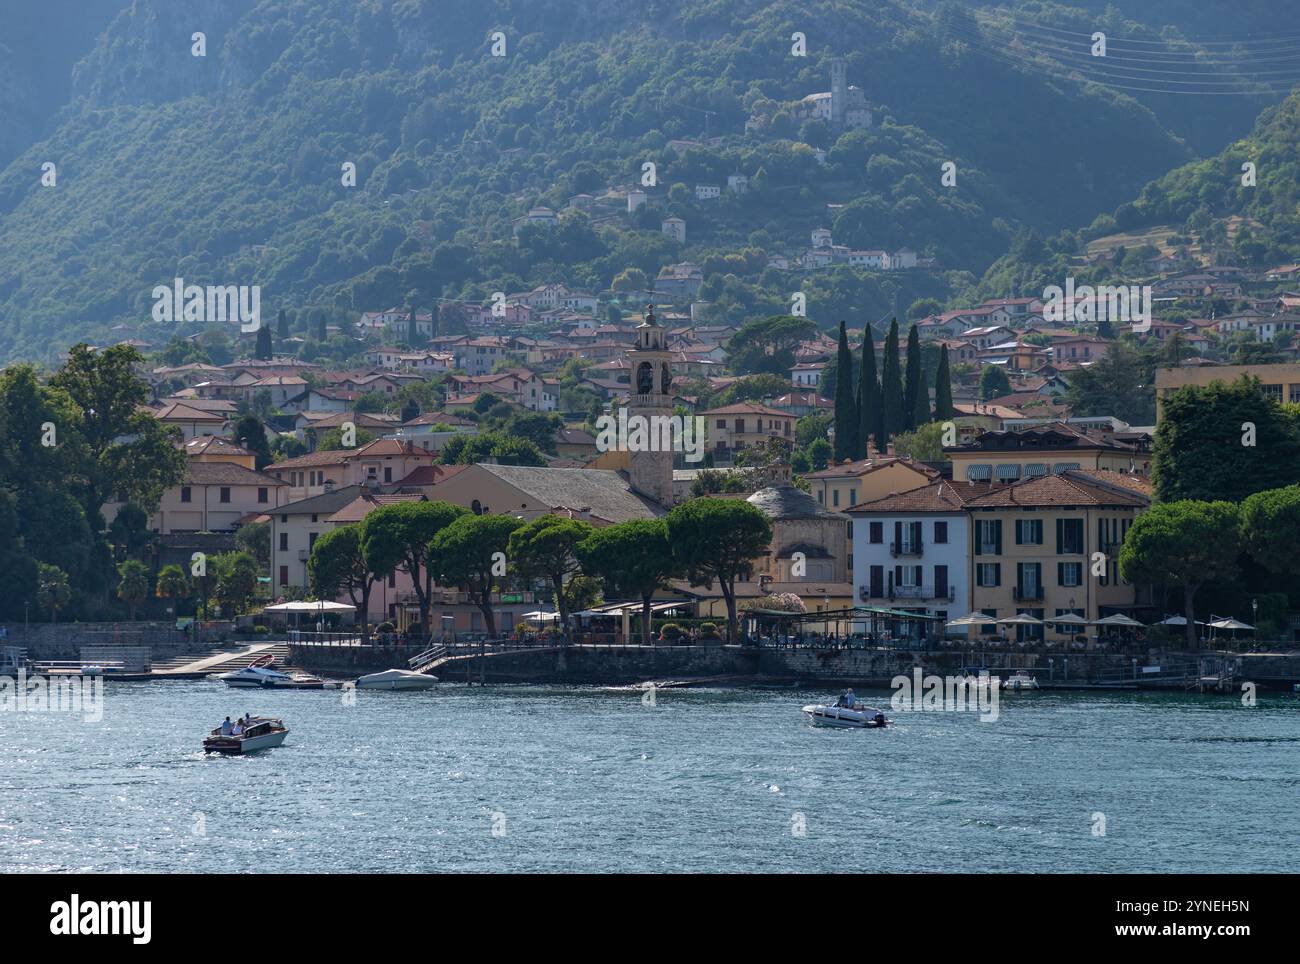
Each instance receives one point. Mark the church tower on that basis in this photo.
(651, 473)
(839, 92)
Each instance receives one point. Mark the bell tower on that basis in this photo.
(651, 472)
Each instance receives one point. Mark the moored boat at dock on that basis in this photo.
(263, 677)
(397, 679)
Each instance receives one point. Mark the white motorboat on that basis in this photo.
(856, 718)
(1020, 681)
(261, 733)
(263, 677)
(397, 679)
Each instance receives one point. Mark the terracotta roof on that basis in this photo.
(747, 408)
(941, 496)
(226, 473)
(367, 502)
(1055, 490)
(430, 474)
(865, 466)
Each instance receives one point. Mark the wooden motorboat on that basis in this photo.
(261, 733)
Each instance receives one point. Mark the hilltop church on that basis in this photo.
(843, 107)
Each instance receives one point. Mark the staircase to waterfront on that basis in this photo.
(222, 659)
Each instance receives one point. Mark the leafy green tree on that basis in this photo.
(251, 434)
(1270, 529)
(546, 547)
(400, 536)
(891, 387)
(465, 449)
(1187, 543)
(52, 589)
(122, 449)
(846, 409)
(172, 582)
(719, 539)
(633, 558)
(1223, 441)
(924, 443)
(132, 584)
(993, 382)
(130, 531)
(869, 411)
(338, 565)
(768, 344)
(255, 539)
(236, 579)
(819, 453)
(943, 407)
(471, 554)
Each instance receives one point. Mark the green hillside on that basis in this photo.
(225, 169)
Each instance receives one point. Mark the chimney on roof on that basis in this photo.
(329, 485)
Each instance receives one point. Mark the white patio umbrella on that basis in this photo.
(1020, 619)
(539, 616)
(1229, 623)
(302, 606)
(1068, 619)
(1119, 619)
(970, 619)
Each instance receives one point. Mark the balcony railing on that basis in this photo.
(1028, 593)
(909, 592)
(906, 548)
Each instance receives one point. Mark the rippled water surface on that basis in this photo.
(586, 779)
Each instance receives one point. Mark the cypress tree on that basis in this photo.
(868, 394)
(921, 409)
(891, 385)
(846, 409)
(263, 350)
(322, 333)
(282, 325)
(412, 329)
(913, 381)
(943, 407)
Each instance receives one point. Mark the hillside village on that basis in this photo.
(913, 533)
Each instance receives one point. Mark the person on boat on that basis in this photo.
(238, 729)
(225, 727)
(849, 699)
(247, 720)
(843, 699)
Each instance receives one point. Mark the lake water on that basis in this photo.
(586, 779)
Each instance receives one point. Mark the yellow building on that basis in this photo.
(837, 487)
(1043, 450)
(1049, 545)
(1278, 382)
(734, 427)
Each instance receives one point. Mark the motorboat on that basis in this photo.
(263, 677)
(261, 733)
(1020, 681)
(843, 717)
(397, 679)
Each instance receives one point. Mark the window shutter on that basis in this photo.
(941, 581)
(997, 536)
(1060, 532)
(979, 536)
(1060, 574)
(898, 536)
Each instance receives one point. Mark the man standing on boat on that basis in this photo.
(226, 727)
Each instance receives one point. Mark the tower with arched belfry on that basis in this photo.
(651, 472)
